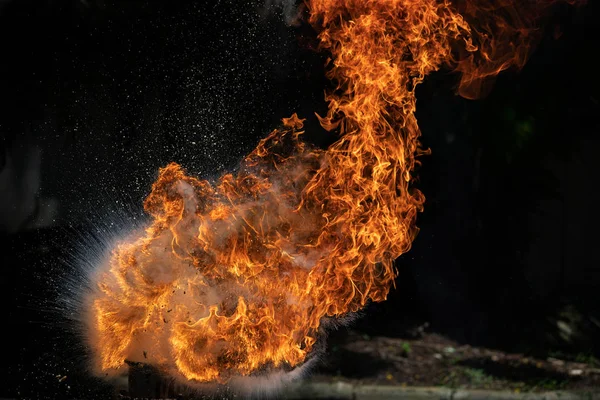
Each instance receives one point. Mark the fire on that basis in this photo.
(236, 276)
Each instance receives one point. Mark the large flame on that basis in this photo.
(238, 275)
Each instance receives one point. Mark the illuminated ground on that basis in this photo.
(433, 360)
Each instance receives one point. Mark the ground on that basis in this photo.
(433, 360)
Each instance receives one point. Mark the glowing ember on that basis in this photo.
(237, 276)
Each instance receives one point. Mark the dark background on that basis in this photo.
(97, 95)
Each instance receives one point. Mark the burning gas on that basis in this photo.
(236, 277)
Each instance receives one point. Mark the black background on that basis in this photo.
(111, 91)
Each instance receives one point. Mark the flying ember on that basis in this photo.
(237, 277)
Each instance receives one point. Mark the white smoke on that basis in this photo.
(161, 267)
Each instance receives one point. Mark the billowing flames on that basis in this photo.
(236, 276)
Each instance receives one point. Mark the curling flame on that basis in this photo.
(234, 277)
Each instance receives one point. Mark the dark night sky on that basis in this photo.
(97, 95)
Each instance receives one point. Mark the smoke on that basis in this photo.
(21, 207)
(287, 8)
(120, 303)
(164, 299)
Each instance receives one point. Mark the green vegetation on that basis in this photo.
(478, 377)
(588, 359)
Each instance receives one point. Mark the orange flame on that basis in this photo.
(237, 276)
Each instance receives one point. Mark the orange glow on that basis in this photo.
(237, 276)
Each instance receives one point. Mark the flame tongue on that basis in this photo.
(235, 277)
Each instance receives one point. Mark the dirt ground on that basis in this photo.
(433, 360)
